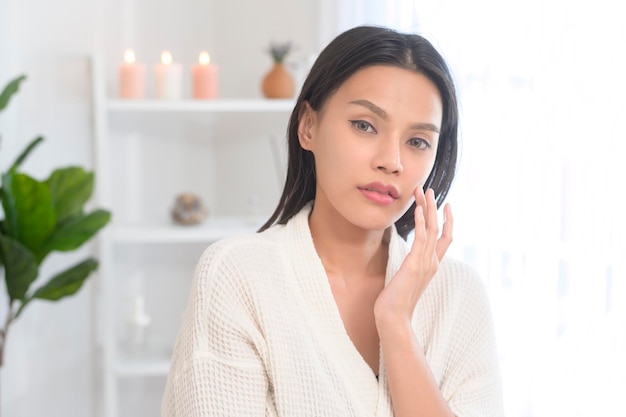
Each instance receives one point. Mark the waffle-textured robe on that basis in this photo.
(262, 336)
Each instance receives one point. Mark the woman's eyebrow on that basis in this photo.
(383, 115)
(371, 106)
(426, 126)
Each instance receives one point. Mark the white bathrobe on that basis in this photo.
(262, 336)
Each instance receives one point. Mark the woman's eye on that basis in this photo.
(362, 125)
(419, 143)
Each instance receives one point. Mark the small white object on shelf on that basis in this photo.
(138, 323)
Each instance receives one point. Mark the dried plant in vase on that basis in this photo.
(278, 82)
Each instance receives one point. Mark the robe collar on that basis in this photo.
(367, 392)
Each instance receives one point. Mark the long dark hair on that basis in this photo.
(353, 50)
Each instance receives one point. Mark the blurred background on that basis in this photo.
(539, 199)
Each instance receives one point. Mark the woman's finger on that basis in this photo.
(432, 225)
(420, 235)
(446, 235)
(420, 198)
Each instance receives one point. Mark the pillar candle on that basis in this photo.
(204, 76)
(132, 77)
(168, 78)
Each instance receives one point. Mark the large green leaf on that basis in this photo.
(10, 89)
(67, 282)
(26, 152)
(23, 156)
(75, 231)
(27, 204)
(20, 267)
(70, 188)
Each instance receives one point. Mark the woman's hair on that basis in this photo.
(348, 53)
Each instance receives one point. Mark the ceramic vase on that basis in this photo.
(278, 83)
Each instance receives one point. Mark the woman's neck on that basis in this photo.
(348, 250)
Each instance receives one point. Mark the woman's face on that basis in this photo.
(374, 142)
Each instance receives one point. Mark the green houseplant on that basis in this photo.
(41, 217)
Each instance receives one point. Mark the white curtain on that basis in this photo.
(540, 199)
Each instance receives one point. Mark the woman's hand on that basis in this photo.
(397, 301)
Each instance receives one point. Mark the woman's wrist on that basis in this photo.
(392, 324)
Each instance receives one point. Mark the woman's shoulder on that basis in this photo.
(454, 307)
(243, 243)
(242, 251)
(459, 273)
(458, 285)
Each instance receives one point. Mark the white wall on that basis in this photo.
(49, 364)
(51, 367)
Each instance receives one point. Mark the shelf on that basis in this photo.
(124, 247)
(218, 105)
(142, 367)
(211, 230)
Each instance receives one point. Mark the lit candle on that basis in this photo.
(132, 77)
(204, 75)
(168, 78)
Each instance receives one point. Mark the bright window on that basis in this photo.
(540, 199)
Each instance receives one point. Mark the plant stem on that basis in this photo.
(19, 310)
(4, 332)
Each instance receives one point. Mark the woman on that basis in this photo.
(327, 311)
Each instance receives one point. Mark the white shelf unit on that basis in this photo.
(210, 230)
(120, 238)
(181, 106)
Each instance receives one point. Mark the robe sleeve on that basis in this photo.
(473, 384)
(217, 367)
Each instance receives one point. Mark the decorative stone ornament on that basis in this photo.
(188, 209)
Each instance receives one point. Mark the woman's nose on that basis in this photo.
(387, 158)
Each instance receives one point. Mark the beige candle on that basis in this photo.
(168, 78)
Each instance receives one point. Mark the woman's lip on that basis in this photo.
(377, 197)
(381, 188)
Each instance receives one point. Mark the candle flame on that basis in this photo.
(204, 58)
(129, 56)
(166, 57)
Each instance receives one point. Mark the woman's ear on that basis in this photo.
(306, 126)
